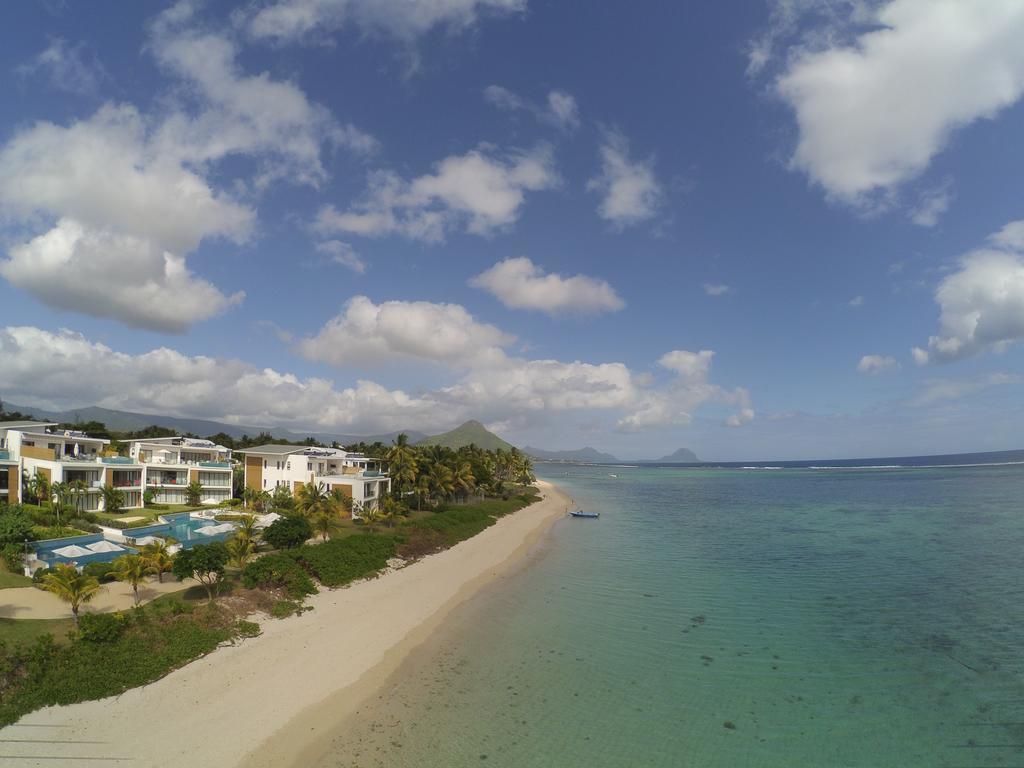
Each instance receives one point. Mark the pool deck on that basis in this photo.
(34, 603)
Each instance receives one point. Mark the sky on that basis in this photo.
(759, 229)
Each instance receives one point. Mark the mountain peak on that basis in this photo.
(471, 431)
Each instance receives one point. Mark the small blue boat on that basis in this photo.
(581, 513)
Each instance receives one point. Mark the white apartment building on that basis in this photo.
(172, 463)
(270, 466)
(70, 457)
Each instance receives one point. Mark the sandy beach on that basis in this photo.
(273, 700)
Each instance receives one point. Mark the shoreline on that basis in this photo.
(276, 699)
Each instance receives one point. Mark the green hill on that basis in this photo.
(470, 432)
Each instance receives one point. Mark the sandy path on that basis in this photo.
(34, 603)
(272, 700)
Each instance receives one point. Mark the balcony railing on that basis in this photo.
(5, 455)
(117, 460)
(215, 464)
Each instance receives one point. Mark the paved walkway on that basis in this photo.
(34, 603)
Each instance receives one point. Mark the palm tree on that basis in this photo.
(401, 463)
(247, 527)
(463, 480)
(158, 560)
(441, 486)
(194, 494)
(310, 498)
(389, 509)
(342, 500)
(131, 569)
(261, 501)
(71, 586)
(240, 550)
(78, 489)
(249, 495)
(371, 516)
(41, 488)
(422, 490)
(59, 495)
(325, 519)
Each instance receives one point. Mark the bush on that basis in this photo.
(14, 557)
(15, 526)
(341, 561)
(232, 503)
(247, 628)
(288, 532)
(124, 526)
(102, 572)
(40, 574)
(282, 609)
(101, 627)
(278, 570)
(83, 524)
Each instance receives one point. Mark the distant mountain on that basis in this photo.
(470, 432)
(585, 455)
(682, 456)
(127, 421)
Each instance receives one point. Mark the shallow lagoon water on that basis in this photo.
(733, 618)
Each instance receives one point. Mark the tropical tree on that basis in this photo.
(440, 481)
(389, 509)
(325, 518)
(401, 463)
(282, 498)
(205, 563)
(463, 480)
(131, 569)
(249, 496)
(72, 587)
(247, 527)
(422, 490)
(157, 559)
(342, 500)
(288, 532)
(261, 501)
(311, 499)
(240, 550)
(113, 499)
(78, 490)
(39, 486)
(60, 498)
(371, 516)
(194, 494)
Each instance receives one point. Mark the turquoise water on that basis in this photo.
(734, 618)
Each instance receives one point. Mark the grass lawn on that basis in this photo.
(26, 630)
(8, 579)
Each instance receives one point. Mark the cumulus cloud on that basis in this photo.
(62, 369)
(295, 20)
(876, 364)
(873, 113)
(982, 303)
(365, 333)
(675, 403)
(113, 204)
(521, 284)
(479, 192)
(343, 254)
(856, 301)
(561, 109)
(717, 289)
(67, 67)
(630, 192)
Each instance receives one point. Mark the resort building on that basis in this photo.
(271, 466)
(173, 463)
(72, 457)
(10, 464)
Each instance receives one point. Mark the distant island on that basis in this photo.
(590, 455)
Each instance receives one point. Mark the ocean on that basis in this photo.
(723, 617)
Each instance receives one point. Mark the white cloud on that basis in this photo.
(675, 403)
(295, 20)
(932, 205)
(521, 284)
(67, 67)
(1011, 236)
(343, 254)
(124, 217)
(717, 289)
(873, 114)
(876, 364)
(113, 204)
(982, 302)
(478, 192)
(856, 301)
(561, 109)
(371, 334)
(630, 191)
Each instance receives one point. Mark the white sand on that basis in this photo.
(34, 603)
(273, 700)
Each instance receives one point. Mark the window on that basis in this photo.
(264, 483)
(264, 463)
(288, 465)
(309, 466)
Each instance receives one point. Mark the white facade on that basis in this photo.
(172, 463)
(272, 466)
(71, 457)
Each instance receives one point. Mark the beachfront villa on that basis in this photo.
(272, 466)
(67, 456)
(173, 463)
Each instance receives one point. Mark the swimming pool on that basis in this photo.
(182, 527)
(77, 550)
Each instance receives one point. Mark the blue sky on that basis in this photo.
(725, 226)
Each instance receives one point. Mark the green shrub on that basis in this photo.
(126, 524)
(282, 609)
(278, 570)
(101, 627)
(247, 628)
(83, 524)
(288, 532)
(102, 572)
(341, 561)
(15, 525)
(13, 556)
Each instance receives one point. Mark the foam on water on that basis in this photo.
(727, 618)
